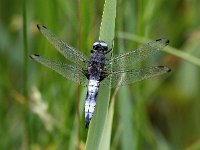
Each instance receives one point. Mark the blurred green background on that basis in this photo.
(40, 109)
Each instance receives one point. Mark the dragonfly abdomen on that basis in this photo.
(90, 101)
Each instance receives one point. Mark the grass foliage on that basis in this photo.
(40, 109)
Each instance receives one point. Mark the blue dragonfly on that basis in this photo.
(99, 70)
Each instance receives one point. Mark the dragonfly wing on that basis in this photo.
(70, 72)
(66, 50)
(134, 75)
(126, 60)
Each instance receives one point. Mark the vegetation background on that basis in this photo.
(39, 109)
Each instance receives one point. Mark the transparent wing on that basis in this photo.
(68, 71)
(134, 75)
(127, 60)
(67, 51)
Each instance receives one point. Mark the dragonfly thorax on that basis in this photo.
(96, 65)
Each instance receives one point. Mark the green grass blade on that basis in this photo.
(106, 137)
(125, 111)
(25, 43)
(107, 29)
(96, 130)
(27, 133)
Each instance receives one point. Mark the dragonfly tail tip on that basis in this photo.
(86, 125)
(87, 121)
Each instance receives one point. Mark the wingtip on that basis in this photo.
(165, 40)
(167, 69)
(39, 26)
(33, 56)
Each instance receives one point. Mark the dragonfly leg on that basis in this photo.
(106, 52)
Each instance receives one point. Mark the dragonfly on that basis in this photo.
(98, 69)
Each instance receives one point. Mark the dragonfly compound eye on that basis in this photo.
(95, 45)
(103, 45)
(100, 45)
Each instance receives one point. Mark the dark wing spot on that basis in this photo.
(167, 42)
(34, 56)
(39, 26)
(161, 67)
(44, 26)
(158, 39)
(169, 70)
(164, 40)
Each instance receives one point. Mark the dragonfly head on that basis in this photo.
(100, 46)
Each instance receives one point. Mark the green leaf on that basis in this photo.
(107, 29)
(97, 127)
(125, 111)
(106, 137)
